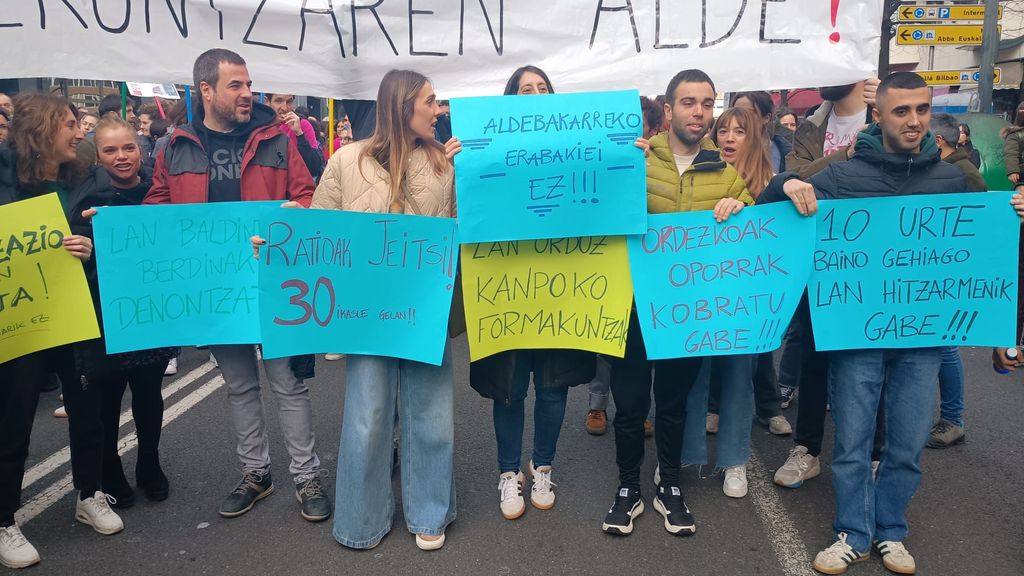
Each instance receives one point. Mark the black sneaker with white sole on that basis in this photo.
(252, 488)
(669, 503)
(627, 506)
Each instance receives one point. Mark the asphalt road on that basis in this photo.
(966, 518)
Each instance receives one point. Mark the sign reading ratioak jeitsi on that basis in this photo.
(44, 297)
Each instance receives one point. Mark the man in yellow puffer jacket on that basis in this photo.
(685, 173)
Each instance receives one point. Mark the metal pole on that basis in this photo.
(989, 53)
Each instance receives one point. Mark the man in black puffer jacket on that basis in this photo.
(896, 156)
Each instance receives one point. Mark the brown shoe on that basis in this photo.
(648, 428)
(597, 422)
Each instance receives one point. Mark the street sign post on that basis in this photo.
(925, 13)
(936, 34)
(965, 77)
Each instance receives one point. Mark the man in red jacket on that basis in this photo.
(235, 151)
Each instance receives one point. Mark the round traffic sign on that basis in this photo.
(919, 13)
(918, 34)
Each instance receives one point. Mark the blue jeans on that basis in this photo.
(548, 413)
(734, 378)
(905, 381)
(951, 386)
(364, 504)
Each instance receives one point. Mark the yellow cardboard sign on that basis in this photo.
(44, 297)
(569, 293)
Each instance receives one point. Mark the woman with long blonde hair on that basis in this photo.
(399, 169)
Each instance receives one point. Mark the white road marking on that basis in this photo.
(789, 546)
(54, 492)
(63, 456)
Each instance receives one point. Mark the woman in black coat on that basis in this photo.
(120, 179)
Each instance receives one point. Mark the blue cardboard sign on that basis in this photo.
(357, 283)
(178, 274)
(551, 166)
(915, 271)
(709, 289)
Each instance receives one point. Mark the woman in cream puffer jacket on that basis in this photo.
(356, 183)
(398, 170)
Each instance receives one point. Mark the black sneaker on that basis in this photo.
(788, 394)
(315, 504)
(627, 506)
(669, 503)
(251, 488)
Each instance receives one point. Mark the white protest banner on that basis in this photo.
(165, 91)
(341, 48)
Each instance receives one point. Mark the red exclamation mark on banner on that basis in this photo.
(834, 36)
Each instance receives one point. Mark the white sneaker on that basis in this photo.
(778, 425)
(510, 490)
(874, 469)
(15, 550)
(657, 475)
(837, 558)
(799, 466)
(712, 423)
(429, 543)
(735, 484)
(96, 512)
(213, 360)
(60, 412)
(172, 367)
(541, 495)
(895, 557)
(333, 357)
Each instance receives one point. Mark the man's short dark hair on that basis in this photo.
(112, 103)
(900, 81)
(947, 126)
(691, 75)
(207, 66)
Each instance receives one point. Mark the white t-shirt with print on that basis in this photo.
(841, 131)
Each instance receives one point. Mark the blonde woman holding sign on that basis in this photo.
(400, 169)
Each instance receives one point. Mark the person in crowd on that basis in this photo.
(6, 104)
(147, 140)
(949, 430)
(178, 116)
(965, 143)
(786, 118)
(5, 125)
(654, 117)
(119, 179)
(895, 156)
(295, 126)
(88, 121)
(739, 135)
(685, 172)
(825, 137)
(399, 169)
(505, 379)
(217, 158)
(777, 145)
(39, 158)
(113, 103)
(1013, 149)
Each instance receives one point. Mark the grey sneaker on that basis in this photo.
(252, 488)
(895, 557)
(945, 434)
(799, 466)
(316, 506)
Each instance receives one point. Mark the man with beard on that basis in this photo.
(234, 151)
(685, 172)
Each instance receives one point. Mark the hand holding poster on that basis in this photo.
(550, 167)
(710, 289)
(915, 271)
(174, 275)
(44, 297)
(572, 293)
(378, 284)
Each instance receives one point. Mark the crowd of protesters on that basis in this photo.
(881, 401)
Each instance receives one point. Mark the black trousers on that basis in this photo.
(147, 411)
(20, 383)
(631, 390)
